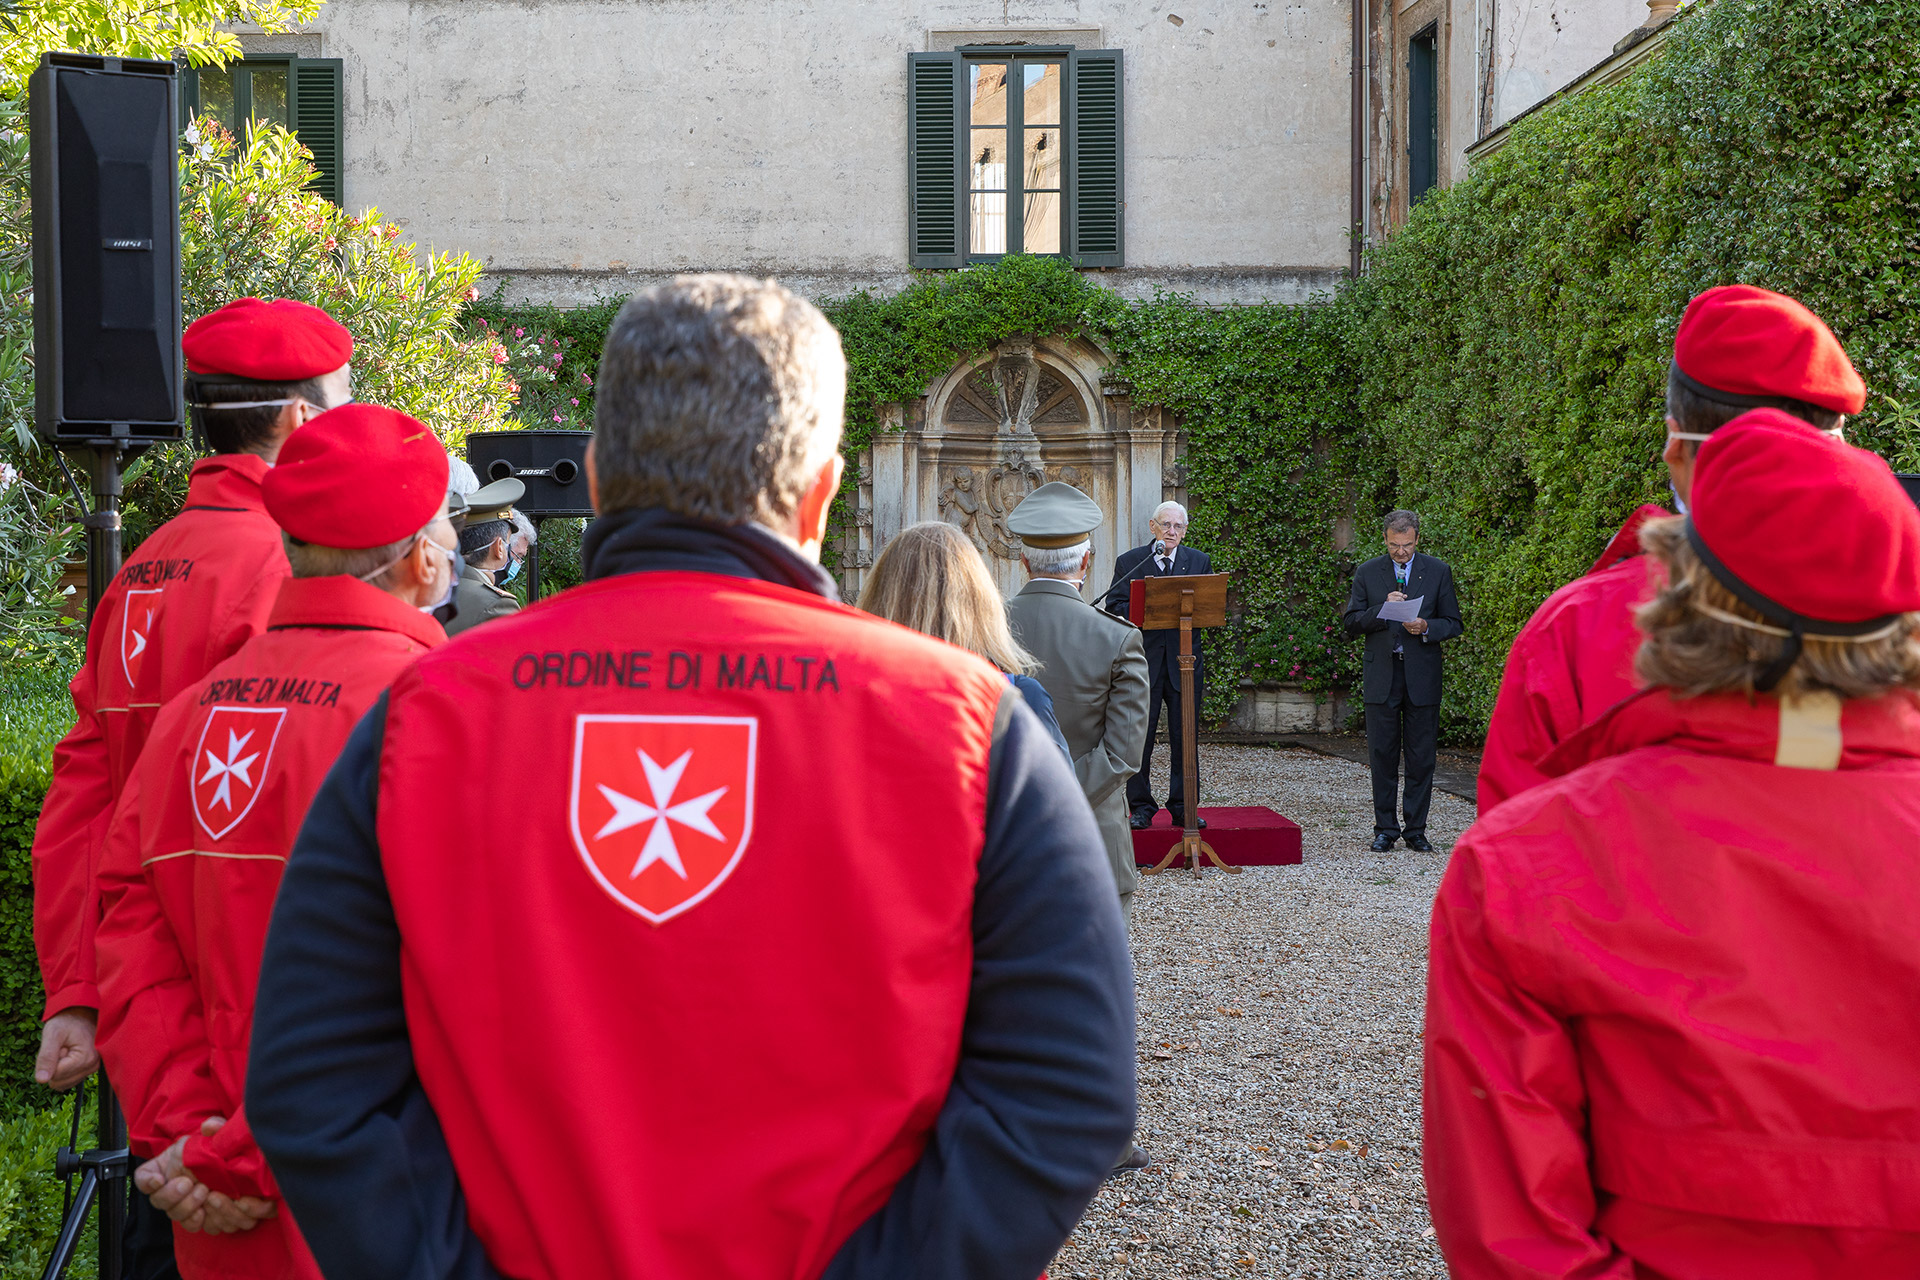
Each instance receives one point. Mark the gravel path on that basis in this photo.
(1280, 1015)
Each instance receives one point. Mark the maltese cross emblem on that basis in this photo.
(137, 612)
(662, 806)
(230, 762)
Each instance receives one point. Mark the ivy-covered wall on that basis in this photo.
(1511, 343)
(1263, 392)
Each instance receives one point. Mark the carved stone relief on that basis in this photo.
(992, 431)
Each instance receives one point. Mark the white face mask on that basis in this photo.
(453, 572)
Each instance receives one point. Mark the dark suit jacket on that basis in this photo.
(1372, 583)
(1163, 646)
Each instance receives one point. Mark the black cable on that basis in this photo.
(60, 457)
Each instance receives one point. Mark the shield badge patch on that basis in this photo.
(230, 764)
(137, 613)
(662, 806)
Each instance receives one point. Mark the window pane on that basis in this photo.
(987, 167)
(216, 94)
(270, 96)
(1041, 167)
(988, 232)
(1042, 93)
(1040, 224)
(988, 83)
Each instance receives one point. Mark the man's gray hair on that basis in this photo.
(311, 560)
(720, 397)
(1403, 521)
(1167, 506)
(1055, 562)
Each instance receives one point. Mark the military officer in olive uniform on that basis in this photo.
(486, 543)
(1093, 665)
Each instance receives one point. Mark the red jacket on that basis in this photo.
(190, 872)
(1670, 1009)
(1571, 661)
(760, 996)
(195, 591)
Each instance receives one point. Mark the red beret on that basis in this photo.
(1807, 521)
(278, 341)
(357, 476)
(1745, 342)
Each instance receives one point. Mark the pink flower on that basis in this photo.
(584, 378)
(556, 417)
(519, 333)
(576, 402)
(473, 293)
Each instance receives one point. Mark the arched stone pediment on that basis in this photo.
(993, 429)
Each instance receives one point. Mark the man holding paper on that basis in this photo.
(1403, 603)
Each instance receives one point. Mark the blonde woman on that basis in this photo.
(931, 578)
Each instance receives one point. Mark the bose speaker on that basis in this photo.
(552, 464)
(106, 250)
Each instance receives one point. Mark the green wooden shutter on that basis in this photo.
(317, 120)
(1095, 215)
(935, 227)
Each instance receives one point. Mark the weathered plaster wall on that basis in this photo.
(582, 146)
(1541, 46)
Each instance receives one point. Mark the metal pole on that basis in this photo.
(1357, 232)
(103, 522)
(533, 563)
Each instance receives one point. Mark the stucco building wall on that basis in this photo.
(580, 147)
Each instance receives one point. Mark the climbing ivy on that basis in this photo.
(1260, 390)
(1511, 343)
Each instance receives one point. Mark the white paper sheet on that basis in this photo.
(1401, 610)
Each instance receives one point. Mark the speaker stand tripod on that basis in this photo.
(103, 1169)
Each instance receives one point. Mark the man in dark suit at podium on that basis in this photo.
(1163, 557)
(1402, 675)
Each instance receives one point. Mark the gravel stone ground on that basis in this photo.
(1279, 1047)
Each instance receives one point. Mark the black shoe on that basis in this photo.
(1141, 819)
(1419, 844)
(1134, 1159)
(1382, 843)
(1180, 820)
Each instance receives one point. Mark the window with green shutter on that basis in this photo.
(1015, 149)
(299, 94)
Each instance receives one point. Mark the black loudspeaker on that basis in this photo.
(1911, 484)
(552, 464)
(106, 250)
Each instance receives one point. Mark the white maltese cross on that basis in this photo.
(628, 812)
(229, 769)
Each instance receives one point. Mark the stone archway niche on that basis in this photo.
(993, 430)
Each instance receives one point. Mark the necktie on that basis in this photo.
(1162, 562)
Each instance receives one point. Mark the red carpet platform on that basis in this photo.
(1243, 837)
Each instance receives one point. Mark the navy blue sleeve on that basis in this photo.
(1040, 702)
(331, 1090)
(1042, 1103)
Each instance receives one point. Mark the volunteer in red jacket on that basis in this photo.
(202, 834)
(1670, 1009)
(191, 594)
(790, 949)
(1738, 348)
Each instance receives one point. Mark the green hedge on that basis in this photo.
(35, 712)
(1512, 341)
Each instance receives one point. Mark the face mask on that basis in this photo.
(511, 572)
(1679, 503)
(453, 579)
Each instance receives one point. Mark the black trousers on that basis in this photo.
(1140, 785)
(1397, 727)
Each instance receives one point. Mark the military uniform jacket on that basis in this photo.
(1094, 668)
(477, 600)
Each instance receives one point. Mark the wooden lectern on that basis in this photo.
(1161, 604)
